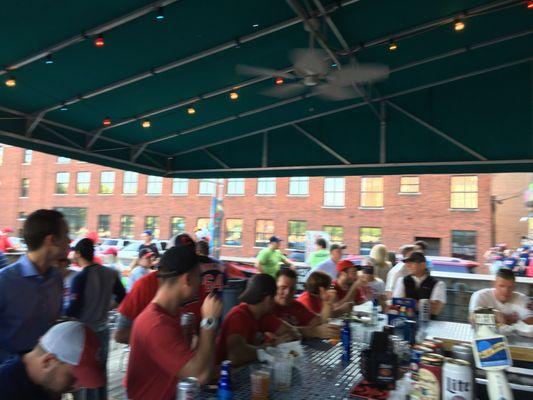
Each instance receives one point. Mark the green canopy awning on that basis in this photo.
(454, 101)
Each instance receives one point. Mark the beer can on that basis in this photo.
(409, 331)
(188, 328)
(430, 376)
(424, 310)
(457, 380)
(463, 352)
(188, 389)
(434, 344)
(414, 364)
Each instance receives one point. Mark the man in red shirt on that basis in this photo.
(248, 325)
(5, 243)
(213, 275)
(319, 297)
(295, 313)
(160, 352)
(349, 286)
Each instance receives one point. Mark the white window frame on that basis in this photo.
(86, 175)
(180, 186)
(130, 180)
(235, 187)
(334, 192)
(207, 187)
(105, 179)
(299, 186)
(65, 180)
(266, 186)
(154, 185)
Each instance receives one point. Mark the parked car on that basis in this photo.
(452, 264)
(297, 256)
(131, 251)
(18, 243)
(119, 244)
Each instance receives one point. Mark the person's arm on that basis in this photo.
(118, 289)
(317, 329)
(287, 262)
(77, 291)
(261, 260)
(285, 333)
(239, 351)
(438, 298)
(123, 331)
(399, 289)
(201, 364)
(328, 298)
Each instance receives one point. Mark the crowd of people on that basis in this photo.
(53, 340)
(519, 260)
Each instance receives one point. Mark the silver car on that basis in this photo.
(131, 251)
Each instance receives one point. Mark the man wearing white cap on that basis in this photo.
(64, 358)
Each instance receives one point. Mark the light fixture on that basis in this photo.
(459, 25)
(234, 95)
(255, 26)
(191, 111)
(63, 107)
(279, 81)
(334, 65)
(530, 4)
(146, 123)
(160, 14)
(11, 82)
(99, 41)
(106, 121)
(49, 59)
(393, 46)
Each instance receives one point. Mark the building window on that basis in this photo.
(299, 186)
(127, 226)
(62, 180)
(336, 233)
(368, 237)
(409, 184)
(334, 192)
(177, 225)
(264, 229)
(207, 187)
(154, 185)
(24, 187)
(464, 192)
(464, 244)
(104, 225)
(83, 180)
(266, 186)
(372, 192)
(152, 223)
(235, 186)
(27, 156)
(1, 154)
(107, 182)
(203, 223)
(296, 238)
(180, 186)
(76, 218)
(233, 232)
(22, 216)
(130, 182)
(63, 160)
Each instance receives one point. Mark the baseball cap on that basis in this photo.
(177, 261)
(75, 344)
(336, 246)
(368, 269)
(258, 287)
(145, 252)
(343, 265)
(111, 250)
(416, 257)
(274, 239)
(148, 232)
(7, 230)
(184, 239)
(93, 236)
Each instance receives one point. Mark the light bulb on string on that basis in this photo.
(191, 110)
(234, 95)
(106, 121)
(99, 41)
(279, 81)
(530, 4)
(459, 25)
(393, 46)
(49, 60)
(11, 82)
(160, 14)
(146, 123)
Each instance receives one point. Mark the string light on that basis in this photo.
(63, 108)
(49, 59)
(106, 121)
(459, 25)
(279, 81)
(146, 123)
(191, 111)
(530, 4)
(160, 14)
(99, 41)
(234, 95)
(393, 46)
(11, 82)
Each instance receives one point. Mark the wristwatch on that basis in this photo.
(208, 323)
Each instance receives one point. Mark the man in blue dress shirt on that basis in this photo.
(31, 290)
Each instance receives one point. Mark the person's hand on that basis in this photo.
(346, 307)
(327, 295)
(511, 318)
(212, 307)
(328, 331)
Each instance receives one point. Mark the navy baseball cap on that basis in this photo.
(274, 239)
(177, 261)
(145, 252)
(416, 257)
(148, 232)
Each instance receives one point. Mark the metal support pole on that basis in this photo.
(383, 133)
(264, 160)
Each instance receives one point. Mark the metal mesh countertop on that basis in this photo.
(322, 376)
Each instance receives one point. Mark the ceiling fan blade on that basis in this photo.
(283, 91)
(359, 74)
(310, 61)
(335, 93)
(258, 71)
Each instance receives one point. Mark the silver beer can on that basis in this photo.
(457, 380)
(424, 311)
(188, 389)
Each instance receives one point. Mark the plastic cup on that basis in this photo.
(260, 381)
(283, 373)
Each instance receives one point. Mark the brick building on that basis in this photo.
(452, 213)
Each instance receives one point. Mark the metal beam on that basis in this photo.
(375, 165)
(59, 135)
(137, 151)
(183, 61)
(321, 144)
(357, 105)
(33, 121)
(264, 159)
(383, 133)
(87, 34)
(288, 69)
(437, 131)
(82, 152)
(216, 159)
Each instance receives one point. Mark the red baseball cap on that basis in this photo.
(343, 265)
(93, 236)
(7, 230)
(73, 343)
(111, 250)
